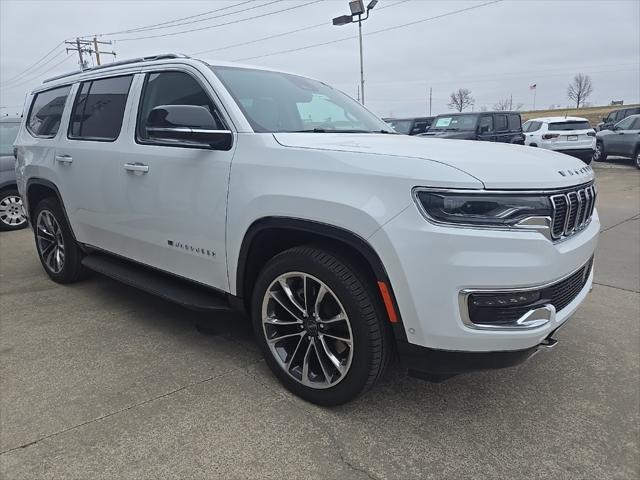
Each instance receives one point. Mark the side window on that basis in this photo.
(501, 123)
(99, 109)
(624, 124)
(171, 88)
(535, 126)
(46, 112)
(486, 124)
(636, 124)
(515, 124)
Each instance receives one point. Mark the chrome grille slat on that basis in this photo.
(572, 211)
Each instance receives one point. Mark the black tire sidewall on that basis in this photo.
(636, 158)
(72, 267)
(358, 377)
(603, 155)
(10, 192)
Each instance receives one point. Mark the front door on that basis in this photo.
(176, 193)
(485, 128)
(623, 139)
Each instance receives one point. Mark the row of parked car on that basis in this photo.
(618, 133)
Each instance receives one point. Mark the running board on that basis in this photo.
(182, 292)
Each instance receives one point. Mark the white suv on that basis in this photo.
(227, 187)
(571, 135)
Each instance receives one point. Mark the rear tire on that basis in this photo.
(636, 158)
(12, 215)
(599, 154)
(341, 337)
(59, 253)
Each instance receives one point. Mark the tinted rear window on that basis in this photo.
(515, 123)
(46, 112)
(99, 109)
(561, 126)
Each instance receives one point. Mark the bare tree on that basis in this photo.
(580, 89)
(461, 99)
(507, 104)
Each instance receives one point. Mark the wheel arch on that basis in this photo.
(269, 236)
(38, 189)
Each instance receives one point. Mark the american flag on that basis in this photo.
(533, 87)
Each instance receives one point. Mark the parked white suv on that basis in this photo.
(225, 187)
(571, 135)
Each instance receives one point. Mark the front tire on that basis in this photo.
(636, 158)
(12, 215)
(319, 324)
(59, 253)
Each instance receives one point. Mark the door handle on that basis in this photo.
(136, 167)
(64, 159)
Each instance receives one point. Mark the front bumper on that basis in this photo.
(429, 266)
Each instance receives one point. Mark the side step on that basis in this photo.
(182, 292)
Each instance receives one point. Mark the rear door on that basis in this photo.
(485, 128)
(501, 125)
(90, 147)
(572, 134)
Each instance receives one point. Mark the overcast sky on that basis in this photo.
(495, 50)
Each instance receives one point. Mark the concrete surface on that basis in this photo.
(99, 380)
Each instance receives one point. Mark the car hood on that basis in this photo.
(496, 165)
(451, 134)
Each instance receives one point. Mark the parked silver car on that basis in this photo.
(12, 215)
(622, 141)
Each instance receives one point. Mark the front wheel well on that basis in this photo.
(269, 237)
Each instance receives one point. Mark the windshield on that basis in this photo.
(279, 102)
(8, 134)
(401, 126)
(455, 123)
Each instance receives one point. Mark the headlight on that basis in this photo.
(481, 209)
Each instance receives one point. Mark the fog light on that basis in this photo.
(504, 300)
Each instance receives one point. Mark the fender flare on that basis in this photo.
(329, 231)
(52, 186)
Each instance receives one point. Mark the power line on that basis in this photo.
(278, 35)
(219, 24)
(344, 39)
(152, 26)
(41, 74)
(8, 84)
(33, 65)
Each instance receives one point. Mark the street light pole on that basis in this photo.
(361, 59)
(357, 9)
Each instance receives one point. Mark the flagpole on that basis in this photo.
(535, 90)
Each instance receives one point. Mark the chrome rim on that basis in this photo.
(307, 330)
(12, 211)
(50, 241)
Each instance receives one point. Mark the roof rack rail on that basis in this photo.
(150, 58)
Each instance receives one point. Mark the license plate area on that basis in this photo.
(572, 138)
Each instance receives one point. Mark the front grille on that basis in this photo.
(572, 211)
(559, 295)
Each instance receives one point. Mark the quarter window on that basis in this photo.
(46, 112)
(501, 123)
(515, 123)
(172, 88)
(99, 109)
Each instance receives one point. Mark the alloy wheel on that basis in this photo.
(307, 330)
(12, 211)
(597, 154)
(50, 241)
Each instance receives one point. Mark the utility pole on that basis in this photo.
(430, 99)
(96, 42)
(85, 46)
(361, 59)
(358, 93)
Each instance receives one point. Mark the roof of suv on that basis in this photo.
(558, 119)
(125, 65)
(477, 113)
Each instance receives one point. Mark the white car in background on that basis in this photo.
(571, 135)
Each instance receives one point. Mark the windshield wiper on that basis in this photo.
(327, 130)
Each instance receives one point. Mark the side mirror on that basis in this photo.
(190, 125)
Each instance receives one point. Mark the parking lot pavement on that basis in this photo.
(99, 380)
